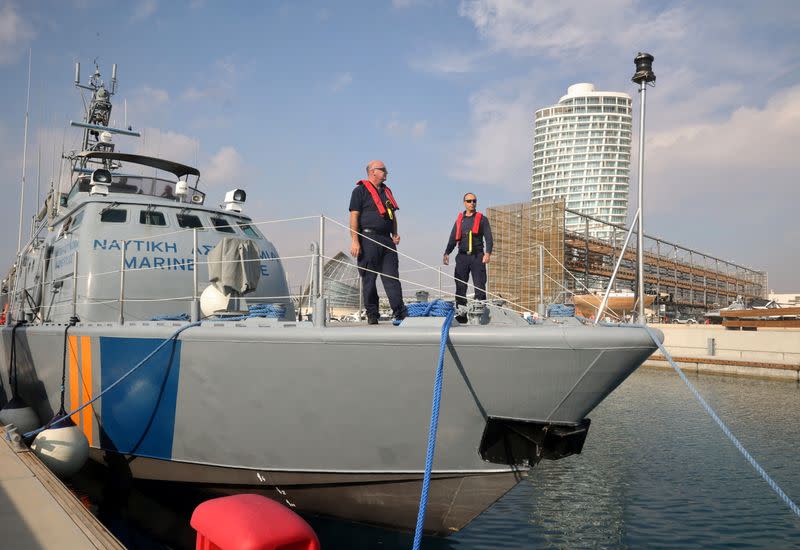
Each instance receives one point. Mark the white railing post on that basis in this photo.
(195, 309)
(122, 283)
(75, 284)
(541, 308)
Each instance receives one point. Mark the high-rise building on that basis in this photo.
(582, 153)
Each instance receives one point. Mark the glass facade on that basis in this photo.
(582, 153)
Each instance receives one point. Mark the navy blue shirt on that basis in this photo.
(484, 233)
(369, 218)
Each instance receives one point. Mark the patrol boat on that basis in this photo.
(330, 419)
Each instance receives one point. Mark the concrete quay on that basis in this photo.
(37, 511)
(711, 349)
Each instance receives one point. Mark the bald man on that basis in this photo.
(373, 228)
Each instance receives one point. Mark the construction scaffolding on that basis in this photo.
(683, 280)
(528, 255)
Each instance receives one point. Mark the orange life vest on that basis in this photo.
(476, 227)
(382, 209)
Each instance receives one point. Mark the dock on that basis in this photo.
(771, 352)
(37, 511)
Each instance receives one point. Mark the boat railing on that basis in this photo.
(317, 260)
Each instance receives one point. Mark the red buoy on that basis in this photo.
(250, 522)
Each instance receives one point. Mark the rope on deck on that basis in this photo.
(437, 397)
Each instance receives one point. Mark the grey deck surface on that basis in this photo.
(38, 512)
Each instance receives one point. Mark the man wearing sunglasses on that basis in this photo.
(373, 214)
(470, 231)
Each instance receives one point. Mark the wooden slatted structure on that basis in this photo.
(577, 261)
(781, 317)
(518, 231)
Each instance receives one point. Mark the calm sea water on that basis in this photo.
(655, 472)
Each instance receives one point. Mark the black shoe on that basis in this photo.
(401, 316)
(461, 319)
(372, 320)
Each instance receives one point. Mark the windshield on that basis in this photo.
(140, 185)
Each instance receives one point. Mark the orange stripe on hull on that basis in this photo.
(74, 379)
(86, 386)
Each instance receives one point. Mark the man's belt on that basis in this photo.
(368, 231)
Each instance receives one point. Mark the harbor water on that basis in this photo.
(655, 472)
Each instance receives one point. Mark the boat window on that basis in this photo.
(76, 221)
(249, 230)
(151, 217)
(189, 220)
(223, 225)
(65, 227)
(114, 215)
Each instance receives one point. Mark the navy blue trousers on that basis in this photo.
(379, 259)
(466, 264)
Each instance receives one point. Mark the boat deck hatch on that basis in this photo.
(521, 443)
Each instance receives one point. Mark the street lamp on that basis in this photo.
(644, 75)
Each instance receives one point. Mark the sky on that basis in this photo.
(289, 100)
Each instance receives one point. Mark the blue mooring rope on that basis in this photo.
(756, 466)
(436, 308)
(116, 382)
(561, 310)
(437, 396)
(273, 311)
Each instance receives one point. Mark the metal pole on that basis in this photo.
(319, 311)
(640, 234)
(540, 309)
(360, 296)
(644, 74)
(75, 284)
(24, 155)
(440, 282)
(321, 252)
(122, 283)
(586, 255)
(195, 311)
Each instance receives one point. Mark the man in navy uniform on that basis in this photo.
(469, 232)
(373, 213)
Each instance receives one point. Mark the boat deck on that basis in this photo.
(37, 511)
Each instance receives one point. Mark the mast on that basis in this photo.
(96, 129)
(24, 155)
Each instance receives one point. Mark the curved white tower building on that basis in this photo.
(582, 152)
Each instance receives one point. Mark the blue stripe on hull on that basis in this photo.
(138, 416)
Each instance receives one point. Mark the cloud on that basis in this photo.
(142, 103)
(225, 167)
(144, 9)
(399, 129)
(15, 34)
(751, 145)
(446, 62)
(168, 145)
(403, 4)
(225, 75)
(535, 27)
(499, 151)
(341, 81)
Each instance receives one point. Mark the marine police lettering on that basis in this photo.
(167, 263)
(163, 263)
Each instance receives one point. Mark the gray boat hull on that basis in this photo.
(332, 420)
